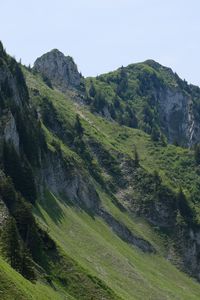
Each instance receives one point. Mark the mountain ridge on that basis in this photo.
(148, 96)
(96, 198)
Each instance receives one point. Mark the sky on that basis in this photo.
(102, 35)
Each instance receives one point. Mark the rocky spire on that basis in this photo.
(59, 69)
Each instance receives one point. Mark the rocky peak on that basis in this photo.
(59, 69)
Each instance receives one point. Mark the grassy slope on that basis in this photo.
(132, 274)
(129, 272)
(176, 165)
(14, 286)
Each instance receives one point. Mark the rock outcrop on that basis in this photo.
(125, 233)
(10, 132)
(67, 180)
(59, 69)
(14, 101)
(177, 118)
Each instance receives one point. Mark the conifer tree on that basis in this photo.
(123, 82)
(99, 101)
(10, 244)
(112, 111)
(156, 178)
(197, 154)
(7, 191)
(136, 157)
(155, 134)
(20, 171)
(184, 208)
(27, 266)
(78, 126)
(92, 90)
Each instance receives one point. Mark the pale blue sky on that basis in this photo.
(102, 35)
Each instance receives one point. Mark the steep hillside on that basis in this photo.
(102, 138)
(25, 161)
(14, 286)
(150, 97)
(92, 207)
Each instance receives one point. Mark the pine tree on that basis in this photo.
(7, 192)
(163, 140)
(156, 178)
(78, 126)
(136, 157)
(92, 90)
(117, 103)
(1, 47)
(148, 115)
(20, 171)
(197, 154)
(16, 255)
(184, 208)
(99, 101)
(112, 111)
(10, 245)
(155, 134)
(27, 265)
(123, 82)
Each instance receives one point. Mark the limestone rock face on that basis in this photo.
(69, 181)
(10, 132)
(177, 118)
(59, 69)
(14, 102)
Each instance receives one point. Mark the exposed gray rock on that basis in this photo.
(106, 113)
(59, 69)
(17, 96)
(190, 250)
(9, 81)
(125, 234)
(177, 117)
(3, 209)
(3, 213)
(69, 182)
(10, 132)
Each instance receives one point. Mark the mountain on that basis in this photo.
(58, 70)
(92, 207)
(150, 97)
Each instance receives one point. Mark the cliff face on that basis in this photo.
(13, 100)
(19, 129)
(59, 178)
(59, 69)
(176, 118)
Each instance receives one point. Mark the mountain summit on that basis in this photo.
(150, 97)
(60, 70)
